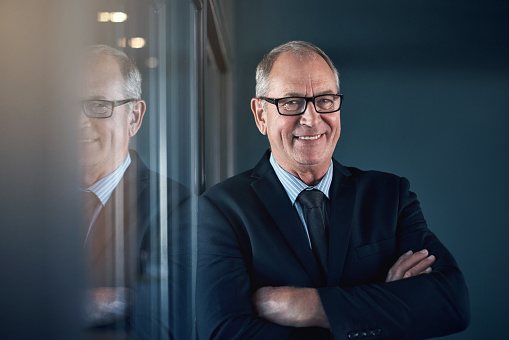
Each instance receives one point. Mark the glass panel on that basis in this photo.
(218, 129)
(218, 124)
(147, 266)
(182, 93)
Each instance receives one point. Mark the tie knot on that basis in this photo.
(311, 198)
(89, 202)
(89, 197)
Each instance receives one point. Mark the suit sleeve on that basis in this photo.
(223, 293)
(423, 306)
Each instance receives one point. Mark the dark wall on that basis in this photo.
(426, 97)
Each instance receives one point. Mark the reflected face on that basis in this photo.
(304, 142)
(104, 142)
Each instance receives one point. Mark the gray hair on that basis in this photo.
(302, 49)
(128, 69)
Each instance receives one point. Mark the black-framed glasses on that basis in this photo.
(293, 106)
(96, 108)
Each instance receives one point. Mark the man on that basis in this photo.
(359, 262)
(125, 221)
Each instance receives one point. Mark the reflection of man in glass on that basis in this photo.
(124, 219)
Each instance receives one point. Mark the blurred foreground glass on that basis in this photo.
(39, 247)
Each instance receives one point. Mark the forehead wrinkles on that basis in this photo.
(310, 85)
(309, 76)
(103, 74)
(98, 85)
(318, 85)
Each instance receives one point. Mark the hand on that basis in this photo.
(290, 306)
(105, 305)
(411, 264)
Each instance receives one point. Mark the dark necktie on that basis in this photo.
(94, 239)
(89, 202)
(311, 201)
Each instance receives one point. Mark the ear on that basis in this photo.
(260, 115)
(136, 117)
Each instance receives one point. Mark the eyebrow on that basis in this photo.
(295, 94)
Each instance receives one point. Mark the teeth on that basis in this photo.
(310, 137)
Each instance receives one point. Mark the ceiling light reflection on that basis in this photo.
(103, 16)
(118, 16)
(137, 42)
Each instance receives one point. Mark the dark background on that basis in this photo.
(426, 97)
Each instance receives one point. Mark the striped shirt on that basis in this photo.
(104, 187)
(295, 186)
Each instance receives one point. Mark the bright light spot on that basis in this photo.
(122, 42)
(118, 16)
(152, 62)
(103, 16)
(137, 42)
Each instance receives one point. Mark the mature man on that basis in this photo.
(125, 221)
(301, 247)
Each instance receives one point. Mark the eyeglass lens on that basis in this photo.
(297, 105)
(98, 108)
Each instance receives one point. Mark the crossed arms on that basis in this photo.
(250, 285)
(301, 307)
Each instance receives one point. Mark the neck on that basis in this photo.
(92, 171)
(90, 176)
(309, 177)
(309, 174)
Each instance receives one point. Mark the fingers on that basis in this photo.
(419, 266)
(411, 264)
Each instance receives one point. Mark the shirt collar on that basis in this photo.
(295, 186)
(104, 187)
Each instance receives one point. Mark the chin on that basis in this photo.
(309, 162)
(314, 158)
(87, 162)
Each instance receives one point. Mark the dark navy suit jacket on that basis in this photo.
(125, 241)
(250, 236)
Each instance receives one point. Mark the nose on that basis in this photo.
(310, 117)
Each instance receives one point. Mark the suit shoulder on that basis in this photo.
(376, 177)
(150, 182)
(233, 186)
(371, 173)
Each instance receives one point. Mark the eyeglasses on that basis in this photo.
(293, 106)
(102, 108)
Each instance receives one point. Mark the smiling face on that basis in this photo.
(104, 142)
(303, 144)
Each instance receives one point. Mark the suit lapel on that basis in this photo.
(271, 192)
(134, 181)
(342, 202)
(119, 215)
(131, 189)
(100, 245)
